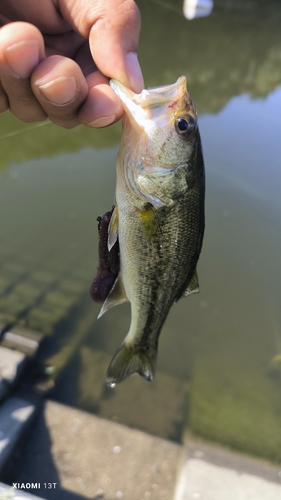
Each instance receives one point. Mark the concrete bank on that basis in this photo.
(82, 456)
(74, 455)
(9, 493)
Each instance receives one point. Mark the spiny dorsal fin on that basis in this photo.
(113, 229)
(116, 296)
(193, 286)
(127, 361)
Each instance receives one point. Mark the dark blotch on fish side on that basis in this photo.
(109, 265)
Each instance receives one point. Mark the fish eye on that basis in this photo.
(185, 125)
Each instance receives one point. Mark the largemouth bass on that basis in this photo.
(158, 220)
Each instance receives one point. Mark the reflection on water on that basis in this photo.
(197, 8)
(228, 53)
(237, 379)
(219, 370)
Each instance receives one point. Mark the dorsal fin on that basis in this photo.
(116, 296)
(193, 286)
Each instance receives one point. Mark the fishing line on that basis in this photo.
(16, 132)
(166, 5)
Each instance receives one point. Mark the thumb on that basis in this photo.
(113, 28)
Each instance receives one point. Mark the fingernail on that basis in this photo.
(103, 121)
(134, 72)
(61, 90)
(23, 57)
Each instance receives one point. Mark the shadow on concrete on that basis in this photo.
(33, 463)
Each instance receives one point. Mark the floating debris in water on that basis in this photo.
(197, 8)
(50, 370)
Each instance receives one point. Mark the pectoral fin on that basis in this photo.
(193, 286)
(113, 229)
(116, 296)
(163, 186)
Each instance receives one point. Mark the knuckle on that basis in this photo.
(27, 109)
(67, 124)
(29, 117)
(126, 17)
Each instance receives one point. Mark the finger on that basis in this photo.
(43, 14)
(21, 50)
(102, 106)
(4, 103)
(84, 58)
(64, 44)
(113, 28)
(118, 36)
(60, 87)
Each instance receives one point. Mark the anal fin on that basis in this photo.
(193, 286)
(116, 296)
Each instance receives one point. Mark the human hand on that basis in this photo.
(56, 57)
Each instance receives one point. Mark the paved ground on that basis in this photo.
(9, 493)
(210, 472)
(70, 454)
(74, 455)
(84, 456)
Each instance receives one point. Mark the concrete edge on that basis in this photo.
(16, 414)
(10, 493)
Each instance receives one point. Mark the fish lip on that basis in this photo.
(150, 97)
(136, 106)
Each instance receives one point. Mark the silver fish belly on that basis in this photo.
(158, 219)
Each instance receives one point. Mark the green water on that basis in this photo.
(219, 363)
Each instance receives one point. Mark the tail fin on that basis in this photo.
(128, 360)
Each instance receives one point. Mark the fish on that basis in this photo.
(158, 219)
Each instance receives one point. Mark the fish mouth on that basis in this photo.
(152, 96)
(137, 106)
